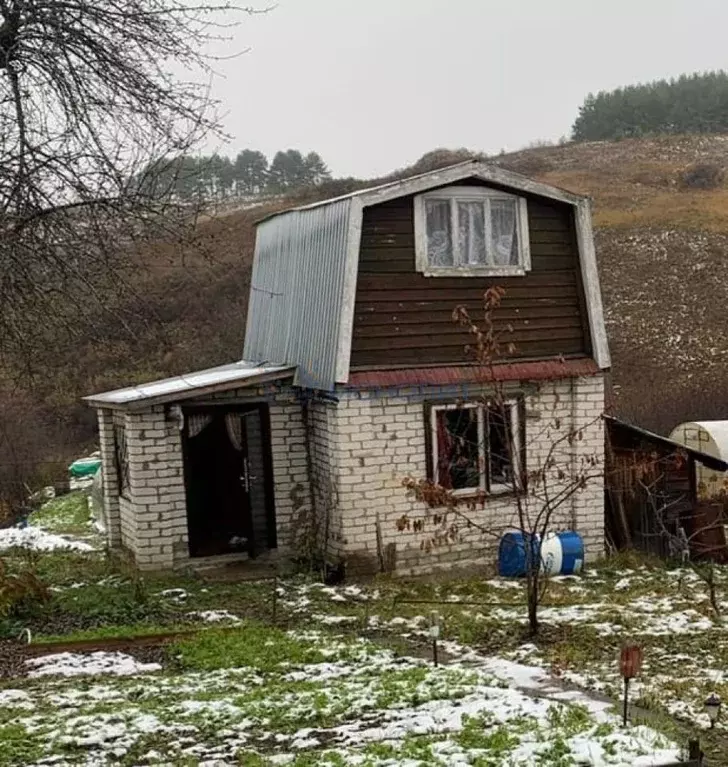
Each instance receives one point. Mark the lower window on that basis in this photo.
(475, 446)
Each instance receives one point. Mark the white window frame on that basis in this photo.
(455, 194)
(495, 488)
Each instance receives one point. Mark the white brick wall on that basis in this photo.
(380, 439)
(361, 449)
(152, 521)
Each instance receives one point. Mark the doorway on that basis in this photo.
(228, 480)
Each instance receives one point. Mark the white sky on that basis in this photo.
(373, 84)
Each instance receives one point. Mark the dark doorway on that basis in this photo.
(228, 480)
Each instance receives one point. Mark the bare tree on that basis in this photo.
(89, 98)
(704, 544)
(540, 472)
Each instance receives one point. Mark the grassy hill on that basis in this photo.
(662, 253)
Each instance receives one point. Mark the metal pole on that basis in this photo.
(624, 713)
(275, 597)
(434, 651)
(695, 754)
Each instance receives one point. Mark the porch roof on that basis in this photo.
(222, 378)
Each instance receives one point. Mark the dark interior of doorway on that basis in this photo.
(228, 486)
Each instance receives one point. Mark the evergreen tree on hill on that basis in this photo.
(696, 103)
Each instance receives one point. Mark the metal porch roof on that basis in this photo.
(211, 380)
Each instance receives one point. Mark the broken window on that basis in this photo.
(475, 446)
(122, 460)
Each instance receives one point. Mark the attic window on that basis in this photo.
(471, 231)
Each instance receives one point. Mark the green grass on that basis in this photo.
(65, 515)
(16, 747)
(254, 646)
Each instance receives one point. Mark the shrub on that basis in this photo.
(703, 175)
(19, 592)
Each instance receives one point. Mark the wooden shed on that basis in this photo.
(651, 497)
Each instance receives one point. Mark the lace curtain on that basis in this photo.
(197, 422)
(486, 232)
(234, 426)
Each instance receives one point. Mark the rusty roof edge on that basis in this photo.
(458, 374)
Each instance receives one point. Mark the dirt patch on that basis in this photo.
(12, 658)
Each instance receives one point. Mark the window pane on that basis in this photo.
(458, 465)
(504, 232)
(471, 232)
(501, 446)
(439, 233)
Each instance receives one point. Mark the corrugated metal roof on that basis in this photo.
(180, 387)
(458, 374)
(297, 292)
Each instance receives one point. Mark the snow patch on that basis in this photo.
(78, 664)
(36, 539)
(215, 616)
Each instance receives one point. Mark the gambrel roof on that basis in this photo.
(301, 308)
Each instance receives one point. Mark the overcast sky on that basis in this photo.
(373, 84)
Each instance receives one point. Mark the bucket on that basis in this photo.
(560, 554)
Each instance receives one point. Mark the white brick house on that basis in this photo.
(355, 377)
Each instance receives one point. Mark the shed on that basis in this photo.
(710, 438)
(652, 500)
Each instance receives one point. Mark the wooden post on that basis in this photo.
(630, 664)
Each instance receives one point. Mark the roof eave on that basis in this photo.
(142, 403)
(451, 174)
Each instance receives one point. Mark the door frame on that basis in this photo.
(263, 409)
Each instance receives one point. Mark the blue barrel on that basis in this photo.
(559, 554)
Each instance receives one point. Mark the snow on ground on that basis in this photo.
(361, 705)
(78, 664)
(215, 616)
(37, 539)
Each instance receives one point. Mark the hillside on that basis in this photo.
(661, 251)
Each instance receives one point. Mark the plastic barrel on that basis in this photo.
(512, 554)
(559, 554)
(572, 552)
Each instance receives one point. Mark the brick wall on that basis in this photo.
(380, 439)
(110, 488)
(361, 449)
(327, 532)
(152, 520)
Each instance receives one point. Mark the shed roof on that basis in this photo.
(707, 460)
(211, 380)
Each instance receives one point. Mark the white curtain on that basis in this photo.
(471, 232)
(197, 422)
(439, 233)
(234, 425)
(503, 232)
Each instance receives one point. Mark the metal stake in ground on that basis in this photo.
(434, 634)
(275, 597)
(630, 663)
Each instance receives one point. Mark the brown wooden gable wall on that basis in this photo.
(404, 318)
